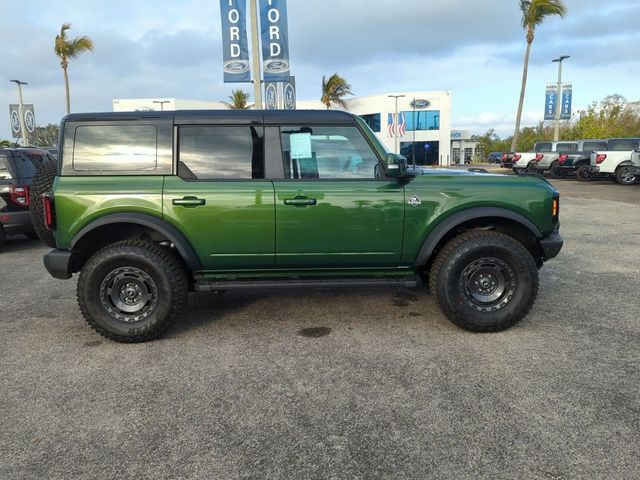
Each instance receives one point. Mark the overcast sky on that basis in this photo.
(473, 48)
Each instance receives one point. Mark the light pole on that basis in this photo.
(395, 121)
(255, 48)
(25, 134)
(556, 135)
(161, 102)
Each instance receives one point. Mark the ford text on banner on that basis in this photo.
(567, 96)
(275, 40)
(235, 46)
(551, 102)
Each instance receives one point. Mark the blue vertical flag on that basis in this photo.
(289, 94)
(271, 95)
(551, 102)
(275, 40)
(235, 46)
(567, 97)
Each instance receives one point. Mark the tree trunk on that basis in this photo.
(66, 90)
(525, 73)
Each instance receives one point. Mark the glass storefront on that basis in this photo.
(425, 153)
(373, 120)
(422, 120)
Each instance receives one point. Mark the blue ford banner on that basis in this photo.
(275, 40)
(567, 97)
(551, 102)
(271, 95)
(289, 94)
(235, 46)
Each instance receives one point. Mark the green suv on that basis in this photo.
(149, 206)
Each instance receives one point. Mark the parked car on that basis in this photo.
(495, 157)
(579, 162)
(635, 160)
(227, 200)
(615, 161)
(17, 168)
(544, 156)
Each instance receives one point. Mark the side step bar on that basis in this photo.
(401, 282)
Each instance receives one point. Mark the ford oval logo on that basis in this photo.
(236, 66)
(276, 66)
(420, 103)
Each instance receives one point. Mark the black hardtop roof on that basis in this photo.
(232, 117)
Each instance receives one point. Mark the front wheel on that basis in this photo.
(584, 173)
(625, 176)
(556, 171)
(484, 281)
(131, 291)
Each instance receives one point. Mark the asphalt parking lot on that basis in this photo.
(393, 391)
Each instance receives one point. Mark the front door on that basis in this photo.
(220, 200)
(332, 209)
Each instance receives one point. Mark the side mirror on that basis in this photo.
(396, 165)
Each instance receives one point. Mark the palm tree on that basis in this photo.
(534, 12)
(69, 49)
(239, 99)
(334, 90)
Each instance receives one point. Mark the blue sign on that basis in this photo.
(551, 102)
(275, 40)
(235, 46)
(567, 97)
(271, 96)
(420, 103)
(289, 94)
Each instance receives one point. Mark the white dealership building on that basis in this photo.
(424, 132)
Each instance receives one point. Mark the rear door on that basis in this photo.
(220, 199)
(334, 209)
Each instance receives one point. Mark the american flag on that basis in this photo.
(399, 130)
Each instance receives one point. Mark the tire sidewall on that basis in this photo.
(583, 174)
(619, 174)
(523, 267)
(95, 272)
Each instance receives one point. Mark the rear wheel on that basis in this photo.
(584, 173)
(556, 171)
(42, 183)
(532, 167)
(3, 237)
(484, 281)
(625, 176)
(132, 291)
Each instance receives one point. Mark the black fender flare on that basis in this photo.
(171, 233)
(445, 226)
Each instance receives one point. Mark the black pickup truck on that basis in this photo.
(578, 163)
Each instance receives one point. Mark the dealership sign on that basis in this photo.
(552, 98)
(234, 41)
(275, 40)
(420, 104)
(29, 120)
(567, 98)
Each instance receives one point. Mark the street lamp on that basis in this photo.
(161, 102)
(556, 135)
(395, 131)
(25, 134)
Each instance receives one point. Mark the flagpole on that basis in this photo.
(395, 129)
(255, 54)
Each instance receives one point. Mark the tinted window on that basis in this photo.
(567, 147)
(220, 153)
(373, 120)
(543, 147)
(117, 148)
(419, 120)
(326, 153)
(4, 172)
(623, 145)
(590, 146)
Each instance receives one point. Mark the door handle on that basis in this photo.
(301, 202)
(189, 202)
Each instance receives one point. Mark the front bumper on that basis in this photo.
(551, 245)
(16, 222)
(58, 263)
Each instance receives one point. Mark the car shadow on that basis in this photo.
(20, 243)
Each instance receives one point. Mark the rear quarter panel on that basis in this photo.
(81, 200)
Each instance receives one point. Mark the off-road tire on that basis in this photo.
(584, 174)
(556, 172)
(159, 268)
(447, 280)
(532, 168)
(42, 183)
(625, 177)
(3, 237)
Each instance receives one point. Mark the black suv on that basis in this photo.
(17, 169)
